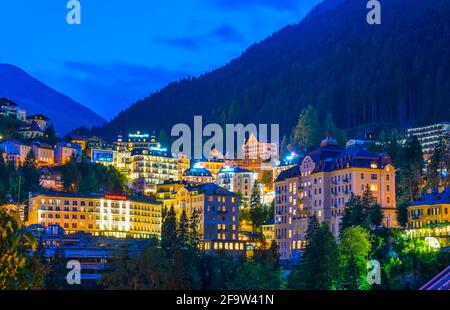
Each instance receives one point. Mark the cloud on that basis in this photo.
(109, 88)
(223, 34)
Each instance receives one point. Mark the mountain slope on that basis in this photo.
(396, 73)
(36, 97)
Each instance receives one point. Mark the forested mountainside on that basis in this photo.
(396, 72)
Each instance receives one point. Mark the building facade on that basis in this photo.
(14, 151)
(253, 149)
(322, 185)
(44, 154)
(64, 151)
(430, 135)
(237, 180)
(151, 167)
(50, 178)
(197, 174)
(109, 215)
(218, 210)
(213, 165)
(40, 120)
(432, 208)
(8, 108)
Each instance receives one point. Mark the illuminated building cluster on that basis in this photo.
(322, 184)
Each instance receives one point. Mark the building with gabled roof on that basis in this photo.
(38, 119)
(197, 174)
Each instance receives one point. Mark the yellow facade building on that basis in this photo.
(109, 215)
(433, 208)
(322, 185)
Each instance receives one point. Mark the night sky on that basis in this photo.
(125, 50)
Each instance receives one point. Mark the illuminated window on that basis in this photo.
(373, 187)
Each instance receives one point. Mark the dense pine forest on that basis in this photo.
(394, 73)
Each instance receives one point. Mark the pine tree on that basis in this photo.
(354, 249)
(30, 176)
(307, 133)
(256, 210)
(362, 211)
(194, 237)
(183, 230)
(331, 129)
(88, 184)
(319, 267)
(409, 172)
(169, 238)
(439, 163)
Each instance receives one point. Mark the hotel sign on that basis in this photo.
(116, 197)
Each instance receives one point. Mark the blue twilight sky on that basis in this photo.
(125, 50)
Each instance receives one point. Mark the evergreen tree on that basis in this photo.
(194, 237)
(307, 133)
(331, 129)
(318, 269)
(354, 249)
(409, 172)
(183, 230)
(88, 184)
(256, 210)
(169, 238)
(438, 165)
(56, 276)
(362, 211)
(30, 176)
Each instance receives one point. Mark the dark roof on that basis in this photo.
(235, 170)
(149, 152)
(210, 189)
(42, 145)
(51, 170)
(38, 116)
(434, 198)
(330, 157)
(200, 172)
(14, 141)
(289, 173)
(69, 145)
(269, 222)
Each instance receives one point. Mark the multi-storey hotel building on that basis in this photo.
(430, 135)
(109, 215)
(253, 149)
(218, 211)
(151, 167)
(322, 185)
(237, 180)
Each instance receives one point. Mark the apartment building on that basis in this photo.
(150, 167)
(111, 215)
(218, 210)
(432, 208)
(44, 154)
(253, 149)
(14, 151)
(322, 185)
(430, 135)
(237, 180)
